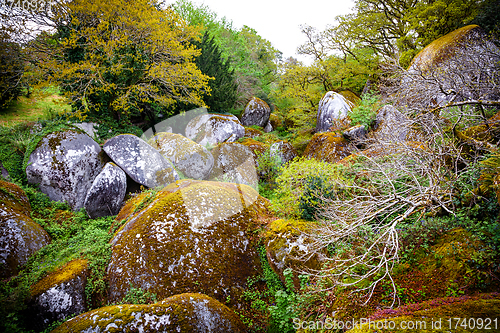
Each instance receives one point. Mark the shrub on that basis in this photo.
(298, 184)
(364, 114)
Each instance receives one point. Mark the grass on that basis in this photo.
(42, 104)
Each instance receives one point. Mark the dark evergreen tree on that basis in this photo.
(11, 72)
(224, 89)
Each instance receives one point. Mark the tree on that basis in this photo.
(120, 59)
(252, 57)
(223, 86)
(11, 72)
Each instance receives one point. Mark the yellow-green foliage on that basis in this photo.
(442, 48)
(327, 146)
(180, 313)
(275, 120)
(291, 184)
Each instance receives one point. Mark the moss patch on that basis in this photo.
(64, 274)
(327, 146)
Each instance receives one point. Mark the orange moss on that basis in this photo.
(327, 146)
(252, 132)
(443, 48)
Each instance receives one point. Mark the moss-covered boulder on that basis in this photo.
(276, 120)
(328, 146)
(20, 236)
(256, 112)
(287, 244)
(332, 107)
(252, 132)
(144, 164)
(212, 129)
(59, 295)
(235, 163)
(189, 157)
(450, 314)
(284, 150)
(64, 165)
(180, 313)
(351, 97)
(256, 147)
(192, 236)
(105, 196)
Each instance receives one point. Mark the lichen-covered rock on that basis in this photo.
(449, 314)
(276, 120)
(328, 146)
(256, 112)
(390, 125)
(144, 164)
(59, 295)
(64, 165)
(213, 129)
(187, 312)
(89, 128)
(256, 147)
(287, 243)
(106, 195)
(332, 107)
(284, 150)
(192, 236)
(252, 132)
(189, 157)
(268, 128)
(356, 133)
(20, 236)
(234, 163)
(351, 97)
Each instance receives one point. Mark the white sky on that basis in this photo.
(279, 21)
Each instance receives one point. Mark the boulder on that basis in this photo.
(252, 132)
(285, 151)
(287, 242)
(64, 165)
(144, 164)
(189, 157)
(89, 128)
(268, 128)
(256, 147)
(191, 236)
(276, 120)
(390, 125)
(256, 112)
(212, 129)
(332, 107)
(20, 236)
(356, 133)
(59, 295)
(234, 163)
(107, 192)
(444, 69)
(188, 312)
(329, 147)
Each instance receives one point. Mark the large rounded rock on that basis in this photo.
(390, 125)
(329, 147)
(64, 165)
(20, 236)
(332, 107)
(256, 112)
(59, 295)
(180, 313)
(234, 163)
(106, 195)
(144, 164)
(212, 129)
(284, 150)
(190, 158)
(191, 236)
